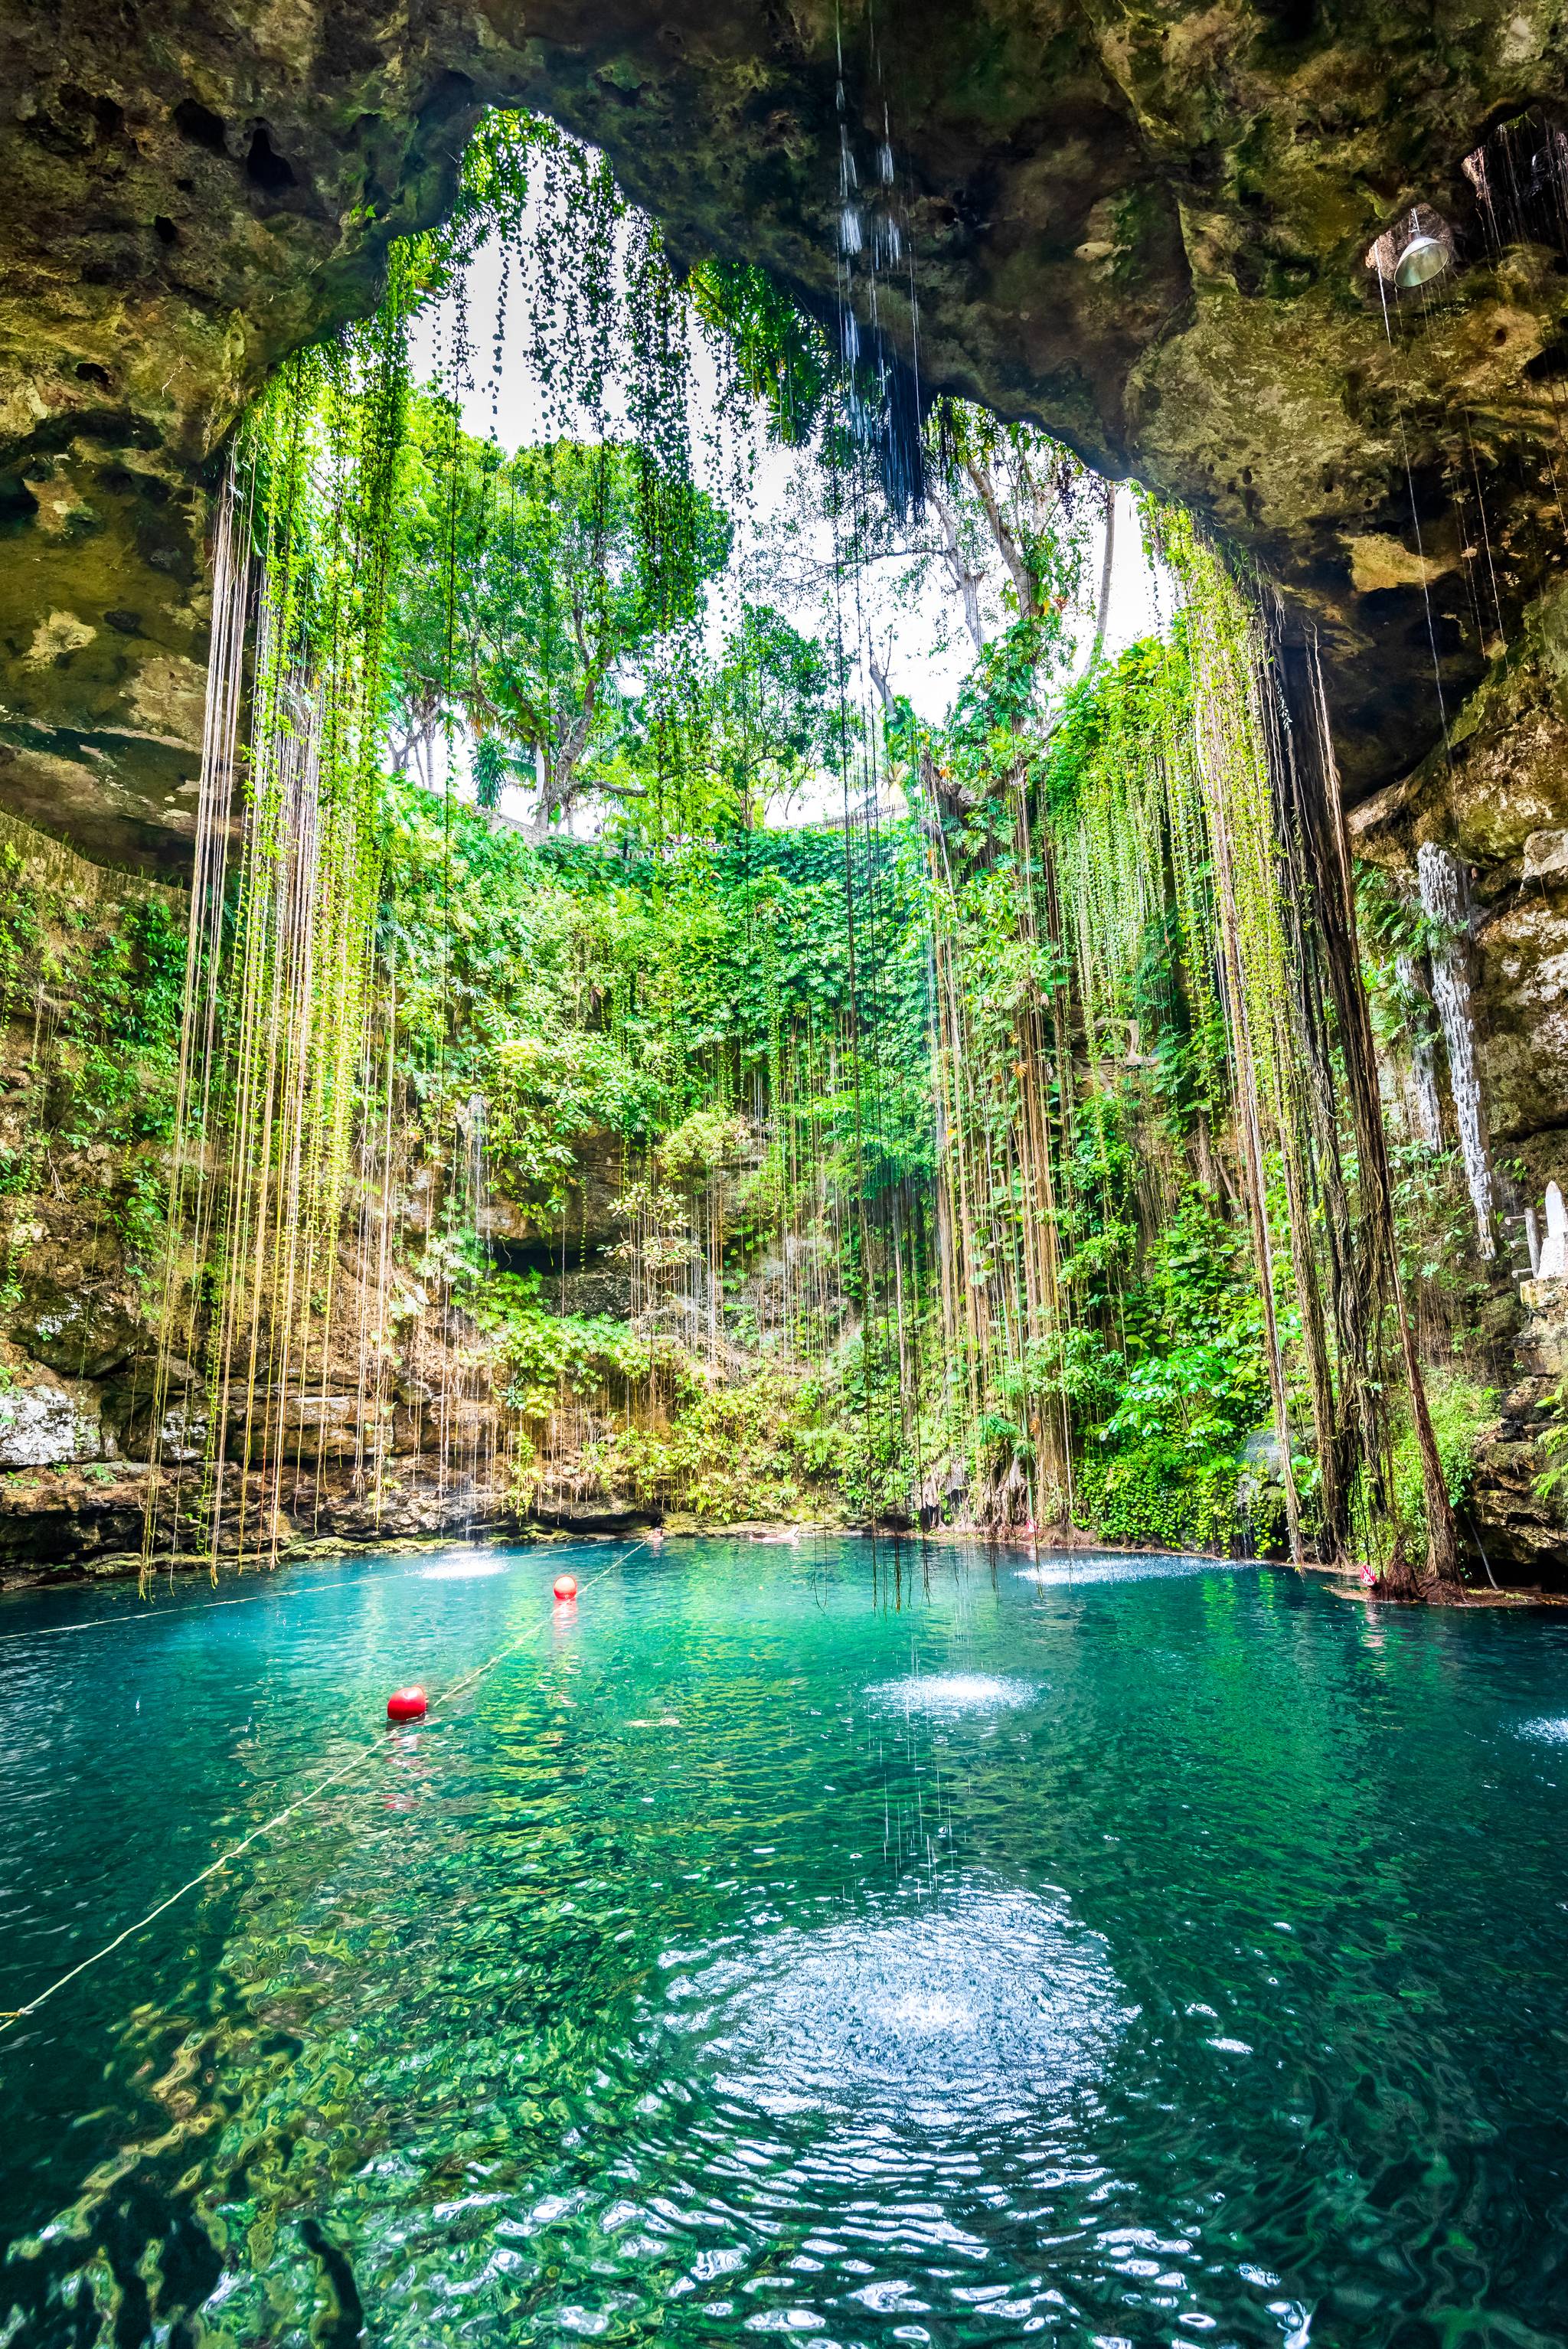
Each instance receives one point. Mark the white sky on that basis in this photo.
(927, 650)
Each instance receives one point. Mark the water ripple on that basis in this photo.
(978, 2012)
(703, 1974)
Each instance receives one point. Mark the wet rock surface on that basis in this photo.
(69, 1521)
(43, 1425)
(1511, 1529)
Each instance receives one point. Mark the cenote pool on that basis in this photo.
(785, 1941)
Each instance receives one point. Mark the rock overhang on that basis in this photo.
(1144, 228)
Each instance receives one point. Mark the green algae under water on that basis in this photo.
(785, 1940)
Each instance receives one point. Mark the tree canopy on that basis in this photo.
(532, 588)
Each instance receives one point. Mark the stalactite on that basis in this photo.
(1428, 1104)
(1444, 898)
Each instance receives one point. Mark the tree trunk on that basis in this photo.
(1323, 807)
(1007, 547)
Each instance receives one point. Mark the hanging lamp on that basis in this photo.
(1424, 258)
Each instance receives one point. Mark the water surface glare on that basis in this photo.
(1549, 1732)
(461, 1569)
(784, 1939)
(942, 1693)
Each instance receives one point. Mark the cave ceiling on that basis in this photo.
(1144, 228)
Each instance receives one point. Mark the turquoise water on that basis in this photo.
(776, 1942)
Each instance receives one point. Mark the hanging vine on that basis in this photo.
(1036, 1138)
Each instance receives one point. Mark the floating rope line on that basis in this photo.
(12, 2016)
(98, 1622)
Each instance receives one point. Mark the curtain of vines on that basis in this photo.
(297, 1093)
(281, 977)
(1173, 889)
(1153, 908)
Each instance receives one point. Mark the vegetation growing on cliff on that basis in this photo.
(1007, 1149)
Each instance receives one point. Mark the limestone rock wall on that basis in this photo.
(79, 1291)
(1497, 796)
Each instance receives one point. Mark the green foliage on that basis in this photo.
(1397, 935)
(1135, 871)
(703, 1141)
(123, 1025)
(1030, 1052)
(1152, 1494)
(525, 590)
(779, 355)
(1195, 1401)
(92, 999)
(1553, 1479)
(766, 1447)
(580, 991)
(101, 994)
(1434, 1222)
(774, 709)
(1198, 1289)
(21, 932)
(757, 1449)
(1391, 922)
(1163, 1466)
(1460, 1409)
(492, 192)
(544, 1355)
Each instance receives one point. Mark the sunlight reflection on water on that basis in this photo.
(943, 1693)
(463, 1570)
(1072, 1567)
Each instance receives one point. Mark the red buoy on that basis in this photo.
(407, 1704)
(566, 1586)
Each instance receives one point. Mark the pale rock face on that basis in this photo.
(1524, 998)
(1546, 856)
(1553, 1262)
(313, 1427)
(1443, 894)
(44, 1426)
